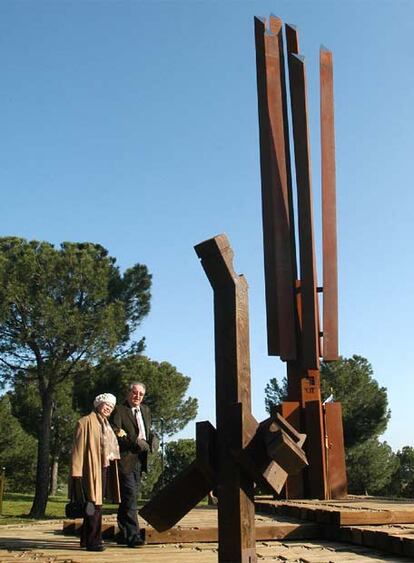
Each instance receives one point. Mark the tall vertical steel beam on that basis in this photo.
(237, 541)
(292, 40)
(276, 28)
(309, 300)
(329, 243)
(280, 304)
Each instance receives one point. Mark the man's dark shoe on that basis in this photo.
(95, 548)
(136, 543)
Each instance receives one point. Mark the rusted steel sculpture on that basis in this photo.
(292, 307)
(240, 451)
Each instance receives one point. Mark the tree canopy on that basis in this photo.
(365, 416)
(275, 393)
(371, 466)
(60, 307)
(402, 483)
(178, 455)
(364, 403)
(165, 389)
(17, 450)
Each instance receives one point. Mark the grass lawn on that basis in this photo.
(16, 507)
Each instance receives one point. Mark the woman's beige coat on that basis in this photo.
(87, 461)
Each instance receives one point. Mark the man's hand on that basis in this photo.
(143, 445)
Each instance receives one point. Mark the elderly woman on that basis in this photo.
(94, 472)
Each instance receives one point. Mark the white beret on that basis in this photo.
(105, 398)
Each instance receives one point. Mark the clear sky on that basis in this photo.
(134, 124)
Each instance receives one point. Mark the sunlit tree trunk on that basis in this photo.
(43, 452)
(54, 476)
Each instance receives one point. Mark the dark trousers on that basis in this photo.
(91, 531)
(127, 511)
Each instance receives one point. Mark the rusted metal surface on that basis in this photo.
(335, 451)
(292, 40)
(232, 358)
(330, 272)
(246, 451)
(276, 27)
(313, 339)
(178, 497)
(276, 201)
(239, 451)
(316, 483)
(315, 478)
(310, 327)
(291, 411)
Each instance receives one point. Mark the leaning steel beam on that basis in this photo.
(276, 27)
(178, 497)
(330, 271)
(279, 272)
(309, 302)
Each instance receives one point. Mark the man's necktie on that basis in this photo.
(140, 422)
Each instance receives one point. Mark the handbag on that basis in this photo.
(78, 507)
(75, 509)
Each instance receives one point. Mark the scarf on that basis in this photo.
(109, 442)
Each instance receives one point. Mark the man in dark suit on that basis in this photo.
(131, 422)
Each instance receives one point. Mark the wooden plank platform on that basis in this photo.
(353, 511)
(291, 541)
(45, 543)
(200, 525)
(393, 539)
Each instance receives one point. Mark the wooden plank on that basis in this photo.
(387, 542)
(395, 545)
(41, 541)
(340, 515)
(276, 531)
(408, 546)
(329, 242)
(369, 517)
(379, 539)
(73, 527)
(182, 535)
(277, 223)
(309, 305)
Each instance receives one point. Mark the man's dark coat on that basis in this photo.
(124, 421)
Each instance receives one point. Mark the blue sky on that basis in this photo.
(134, 124)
